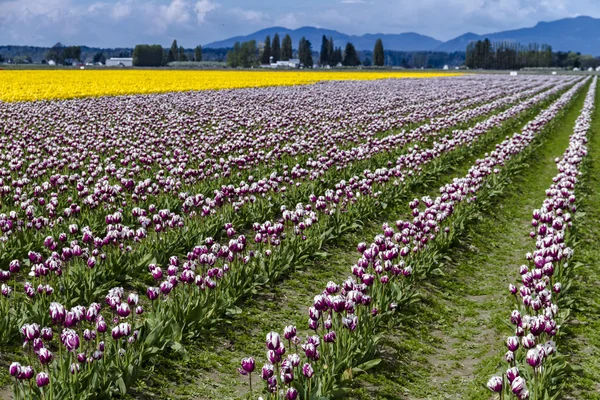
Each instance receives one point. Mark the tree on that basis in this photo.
(148, 56)
(305, 52)
(336, 57)
(198, 53)
(350, 56)
(324, 54)
(71, 54)
(2, 59)
(173, 52)
(181, 56)
(55, 53)
(266, 53)
(378, 55)
(99, 58)
(243, 55)
(286, 48)
(276, 48)
(330, 52)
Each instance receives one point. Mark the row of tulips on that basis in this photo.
(345, 317)
(277, 247)
(178, 302)
(534, 365)
(295, 245)
(117, 233)
(38, 196)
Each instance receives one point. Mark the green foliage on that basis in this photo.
(198, 53)
(378, 54)
(100, 58)
(305, 52)
(286, 48)
(350, 56)
(173, 52)
(324, 53)
(148, 55)
(507, 55)
(276, 48)
(243, 55)
(61, 54)
(266, 51)
(181, 56)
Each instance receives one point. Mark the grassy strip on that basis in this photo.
(581, 336)
(453, 341)
(285, 302)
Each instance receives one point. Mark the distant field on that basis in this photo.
(28, 85)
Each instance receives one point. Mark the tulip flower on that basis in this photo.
(495, 384)
(42, 379)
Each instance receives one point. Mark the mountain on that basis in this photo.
(579, 34)
(459, 43)
(404, 41)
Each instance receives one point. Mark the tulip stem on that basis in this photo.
(250, 378)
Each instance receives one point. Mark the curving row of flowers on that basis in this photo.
(532, 356)
(345, 317)
(193, 288)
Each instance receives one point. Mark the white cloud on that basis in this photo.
(249, 15)
(128, 22)
(202, 8)
(121, 10)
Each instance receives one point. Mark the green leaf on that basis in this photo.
(121, 384)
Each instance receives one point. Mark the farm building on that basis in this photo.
(119, 62)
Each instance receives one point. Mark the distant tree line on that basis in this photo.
(61, 54)
(249, 54)
(510, 55)
(507, 55)
(155, 56)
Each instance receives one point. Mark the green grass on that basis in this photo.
(457, 323)
(582, 334)
(454, 339)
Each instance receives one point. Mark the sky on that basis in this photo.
(125, 23)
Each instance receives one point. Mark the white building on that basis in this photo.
(291, 63)
(52, 62)
(445, 67)
(119, 62)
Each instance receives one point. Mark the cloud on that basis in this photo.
(202, 8)
(112, 23)
(120, 10)
(249, 15)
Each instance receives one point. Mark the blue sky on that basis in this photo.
(114, 23)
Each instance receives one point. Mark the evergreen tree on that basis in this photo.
(350, 56)
(378, 55)
(330, 51)
(147, 56)
(336, 57)
(305, 52)
(198, 53)
(99, 58)
(286, 48)
(173, 52)
(243, 55)
(276, 48)
(266, 54)
(233, 55)
(324, 54)
(182, 56)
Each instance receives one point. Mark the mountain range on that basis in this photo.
(579, 34)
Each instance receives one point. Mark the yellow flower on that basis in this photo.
(28, 85)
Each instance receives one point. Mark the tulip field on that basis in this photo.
(299, 236)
